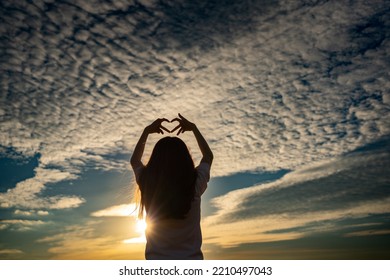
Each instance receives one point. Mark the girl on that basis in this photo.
(171, 188)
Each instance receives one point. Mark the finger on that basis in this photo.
(163, 128)
(163, 120)
(180, 131)
(176, 119)
(182, 117)
(160, 131)
(175, 128)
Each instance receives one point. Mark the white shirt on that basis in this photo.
(178, 238)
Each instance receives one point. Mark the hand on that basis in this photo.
(184, 125)
(156, 126)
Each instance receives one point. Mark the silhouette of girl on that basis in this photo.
(171, 187)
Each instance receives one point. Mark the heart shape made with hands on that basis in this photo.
(172, 124)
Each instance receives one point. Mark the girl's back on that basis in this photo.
(172, 198)
(170, 238)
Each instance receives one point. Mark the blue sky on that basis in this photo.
(293, 97)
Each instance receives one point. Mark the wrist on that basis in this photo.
(146, 132)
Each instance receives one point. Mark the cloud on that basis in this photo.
(126, 210)
(136, 240)
(26, 193)
(97, 245)
(22, 213)
(268, 228)
(313, 199)
(10, 251)
(21, 225)
(18, 212)
(122, 210)
(266, 82)
(368, 233)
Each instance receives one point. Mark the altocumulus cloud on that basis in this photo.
(20, 225)
(266, 81)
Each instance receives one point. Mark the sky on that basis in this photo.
(292, 96)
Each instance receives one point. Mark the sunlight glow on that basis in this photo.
(140, 239)
(141, 226)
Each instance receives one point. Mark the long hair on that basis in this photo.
(167, 183)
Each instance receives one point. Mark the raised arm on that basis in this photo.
(155, 127)
(185, 125)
